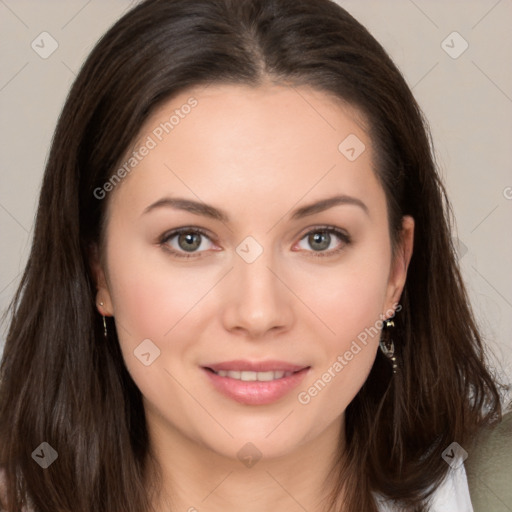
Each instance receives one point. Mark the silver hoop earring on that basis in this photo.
(388, 347)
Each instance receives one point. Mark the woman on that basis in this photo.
(241, 279)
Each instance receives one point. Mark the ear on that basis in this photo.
(103, 298)
(400, 264)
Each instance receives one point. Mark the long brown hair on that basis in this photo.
(63, 384)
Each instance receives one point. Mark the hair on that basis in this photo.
(63, 383)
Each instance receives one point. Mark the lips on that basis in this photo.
(255, 383)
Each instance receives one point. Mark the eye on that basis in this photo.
(321, 238)
(185, 242)
(189, 242)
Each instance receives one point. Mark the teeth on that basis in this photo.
(269, 375)
(253, 376)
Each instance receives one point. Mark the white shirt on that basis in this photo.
(451, 496)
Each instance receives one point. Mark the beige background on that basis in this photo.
(468, 101)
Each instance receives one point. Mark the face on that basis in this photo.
(236, 299)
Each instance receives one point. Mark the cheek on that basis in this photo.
(350, 302)
(351, 308)
(152, 301)
(348, 297)
(150, 294)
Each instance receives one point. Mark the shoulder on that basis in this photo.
(489, 466)
(451, 495)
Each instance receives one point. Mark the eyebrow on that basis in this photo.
(206, 210)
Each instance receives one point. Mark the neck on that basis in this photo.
(194, 478)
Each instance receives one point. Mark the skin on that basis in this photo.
(258, 154)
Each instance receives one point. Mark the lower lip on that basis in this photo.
(256, 392)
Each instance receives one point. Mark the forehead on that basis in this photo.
(254, 115)
(252, 142)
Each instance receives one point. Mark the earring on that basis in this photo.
(105, 333)
(388, 347)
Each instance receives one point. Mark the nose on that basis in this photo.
(256, 300)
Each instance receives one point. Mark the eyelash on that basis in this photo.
(166, 237)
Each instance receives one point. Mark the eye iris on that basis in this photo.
(193, 241)
(316, 238)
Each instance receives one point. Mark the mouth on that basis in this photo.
(248, 376)
(255, 383)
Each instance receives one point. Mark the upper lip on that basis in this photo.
(255, 366)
